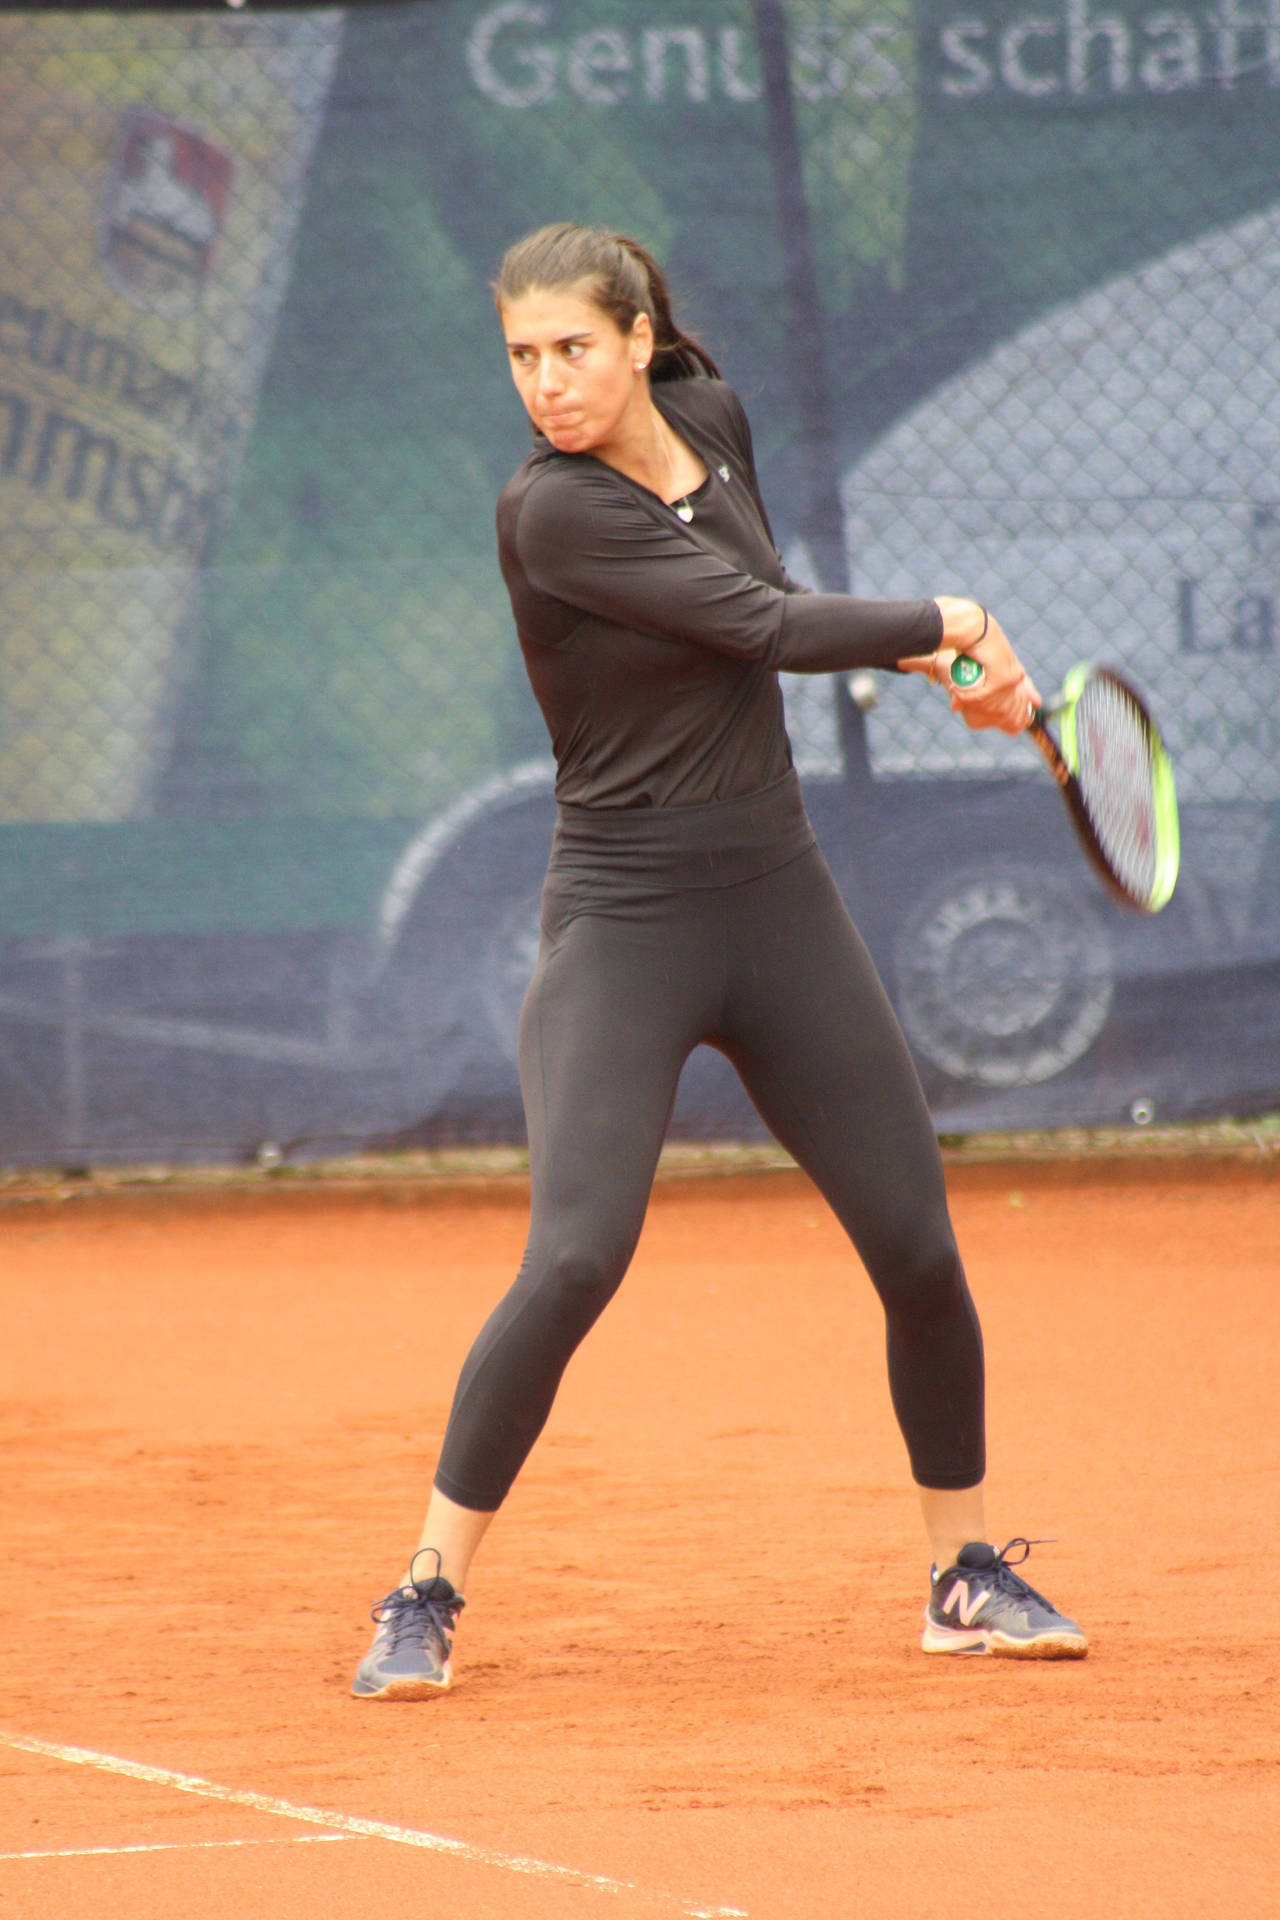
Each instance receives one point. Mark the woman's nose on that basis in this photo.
(550, 376)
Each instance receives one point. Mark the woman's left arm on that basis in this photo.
(1005, 697)
(583, 538)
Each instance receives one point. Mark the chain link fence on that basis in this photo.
(1000, 287)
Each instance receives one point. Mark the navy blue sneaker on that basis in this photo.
(409, 1658)
(982, 1606)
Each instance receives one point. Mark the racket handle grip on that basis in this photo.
(968, 672)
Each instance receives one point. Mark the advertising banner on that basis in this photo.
(153, 173)
(997, 285)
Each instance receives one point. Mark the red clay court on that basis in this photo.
(689, 1681)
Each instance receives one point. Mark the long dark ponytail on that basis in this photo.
(624, 280)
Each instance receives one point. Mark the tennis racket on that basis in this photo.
(1115, 776)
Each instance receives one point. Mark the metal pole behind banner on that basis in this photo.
(823, 523)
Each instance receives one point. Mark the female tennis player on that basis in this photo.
(686, 901)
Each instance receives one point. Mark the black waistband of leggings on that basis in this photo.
(718, 844)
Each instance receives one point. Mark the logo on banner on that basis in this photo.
(528, 53)
(163, 212)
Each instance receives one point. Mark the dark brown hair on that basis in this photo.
(623, 279)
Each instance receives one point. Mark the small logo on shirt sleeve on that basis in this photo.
(723, 472)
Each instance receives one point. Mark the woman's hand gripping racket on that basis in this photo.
(1115, 776)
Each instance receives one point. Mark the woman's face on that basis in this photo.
(580, 377)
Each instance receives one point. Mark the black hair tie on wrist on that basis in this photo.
(964, 653)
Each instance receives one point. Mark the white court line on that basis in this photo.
(174, 1846)
(346, 1823)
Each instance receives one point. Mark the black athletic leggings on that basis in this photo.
(662, 929)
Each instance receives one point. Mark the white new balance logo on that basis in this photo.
(964, 1601)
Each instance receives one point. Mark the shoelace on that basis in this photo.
(420, 1609)
(414, 1611)
(1009, 1581)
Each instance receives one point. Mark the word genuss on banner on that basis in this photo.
(525, 53)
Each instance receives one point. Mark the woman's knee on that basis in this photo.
(573, 1280)
(918, 1270)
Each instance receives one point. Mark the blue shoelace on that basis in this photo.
(1009, 1581)
(421, 1610)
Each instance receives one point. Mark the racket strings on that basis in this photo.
(1117, 779)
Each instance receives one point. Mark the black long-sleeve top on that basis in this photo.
(653, 646)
